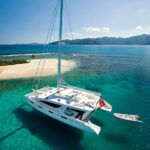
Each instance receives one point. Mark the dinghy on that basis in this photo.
(128, 117)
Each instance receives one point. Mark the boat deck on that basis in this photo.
(70, 96)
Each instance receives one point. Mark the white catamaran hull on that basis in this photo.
(106, 107)
(86, 126)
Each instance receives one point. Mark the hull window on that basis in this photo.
(51, 104)
(50, 111)
(74, 113)
(63, 117)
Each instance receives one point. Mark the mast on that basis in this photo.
(59, 45)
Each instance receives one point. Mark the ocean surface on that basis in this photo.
(120, 73)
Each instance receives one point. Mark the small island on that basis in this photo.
(143, 39)
(27, 69)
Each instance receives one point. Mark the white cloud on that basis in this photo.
(139, 28)
(73, 34)
(92, 29)
(96, 29)
(105, 29)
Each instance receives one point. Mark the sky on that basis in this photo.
(28, 21)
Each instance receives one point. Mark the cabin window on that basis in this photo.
(50, 111)
(63, 117)
(74, 113)
(51, 104)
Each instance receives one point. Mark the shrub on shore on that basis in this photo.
(12, 62)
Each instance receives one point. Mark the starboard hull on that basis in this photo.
(86, 126)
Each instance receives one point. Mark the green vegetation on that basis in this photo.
(12, 62)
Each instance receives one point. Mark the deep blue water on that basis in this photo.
(120, 73)
(111, 50)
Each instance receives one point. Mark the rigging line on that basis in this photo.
(68, 15)
(50, 40)
(69, 19)
(47, 48)
(52, 29)
(47, 38)
(50, 37)
(56, 7)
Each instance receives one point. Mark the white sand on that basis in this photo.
(29, 69)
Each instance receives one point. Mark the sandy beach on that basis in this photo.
(29, 69)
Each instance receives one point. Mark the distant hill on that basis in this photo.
(143, 39)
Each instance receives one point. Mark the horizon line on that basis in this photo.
(38, 43)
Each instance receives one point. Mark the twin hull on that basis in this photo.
(86, 126)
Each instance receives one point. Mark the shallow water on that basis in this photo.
(120, 73)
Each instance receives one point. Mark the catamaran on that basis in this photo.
(71, 105)
(68, 104)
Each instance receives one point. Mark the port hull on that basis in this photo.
(85, 126)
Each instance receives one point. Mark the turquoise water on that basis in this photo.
(120, 73)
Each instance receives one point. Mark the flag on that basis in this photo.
(101, 102)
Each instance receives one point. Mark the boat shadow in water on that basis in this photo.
(55, 134)
(118, 139)
(97, 122)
